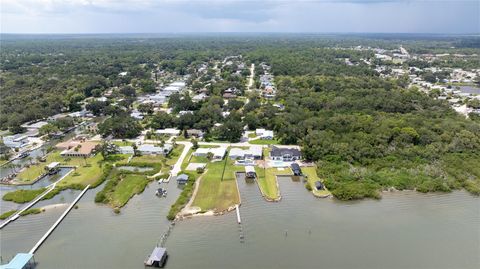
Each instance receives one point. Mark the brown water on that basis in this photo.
(403, 230)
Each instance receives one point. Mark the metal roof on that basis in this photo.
(18, 262)
(156, 255)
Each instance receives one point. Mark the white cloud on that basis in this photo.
(240, 16)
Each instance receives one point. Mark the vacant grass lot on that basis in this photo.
(312, 177)
(264, 142)
(217, 194)
(126, 188)
(267, 181)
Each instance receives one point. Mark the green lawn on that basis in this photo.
(84, 174)
(312, 177)
(264, 142)
(267, 181)
(29, 174)
(22, 196)
(252, 135)
(126, 188)
(87, 172)
(7, 214)
(215, 193)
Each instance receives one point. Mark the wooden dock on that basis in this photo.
(45, 236)
(17, 214)
(239, 220)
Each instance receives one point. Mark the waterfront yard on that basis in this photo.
(23, 196)
(218, 187)
(87, 172)
(267, 181)
(126, 188)
(311, 175)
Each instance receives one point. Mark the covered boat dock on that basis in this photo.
(157, 258)
(20, 261)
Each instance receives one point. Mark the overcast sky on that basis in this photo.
(167, 16)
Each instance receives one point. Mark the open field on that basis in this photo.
(215, 193)
(312, 177)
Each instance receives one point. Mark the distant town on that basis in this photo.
(341, 120)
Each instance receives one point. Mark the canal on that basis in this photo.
(403, 230)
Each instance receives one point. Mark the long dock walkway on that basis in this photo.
(45, 236)
(17, 214)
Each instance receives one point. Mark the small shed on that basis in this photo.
(182, 179)
(157, 258)
(319, 185)
(53, 165)
(250, 171)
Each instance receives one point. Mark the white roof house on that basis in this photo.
(179, 84)
(254, 152)
(259, 132)
(267, 134)
(149, 149)
(218, 153)
(236, 153)
(171, 89)
(168, 131)
(126, 150)
(15, 141)
(36, 125)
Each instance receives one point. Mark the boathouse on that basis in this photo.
(20, 261)
(157, 258)
(297, 171)
(250, 171)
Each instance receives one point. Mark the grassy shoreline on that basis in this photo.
(218, 189)
(312, 177)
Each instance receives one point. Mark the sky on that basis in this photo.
(183, 16)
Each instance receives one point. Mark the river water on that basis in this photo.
(403, 230)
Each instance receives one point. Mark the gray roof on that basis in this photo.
(282, 151)
(156, 255)
(182, 177)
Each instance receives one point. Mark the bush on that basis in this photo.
(182, 199)
(308, 187)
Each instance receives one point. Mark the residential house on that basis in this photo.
(194, 133)
(267, 135)
(149, 149)
(285, 154)
(217, 153)
(253, 153)
(136, 115)
(126, 150)
(77, 148)
(15, 141)
(168, 131)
